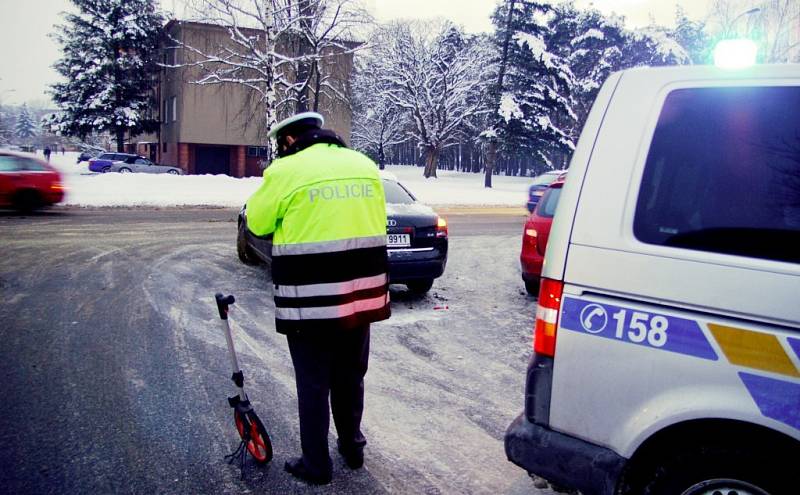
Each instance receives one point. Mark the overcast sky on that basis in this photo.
(27, 52)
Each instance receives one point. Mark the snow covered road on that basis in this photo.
(114, 311)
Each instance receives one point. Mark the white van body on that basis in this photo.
(672, 343)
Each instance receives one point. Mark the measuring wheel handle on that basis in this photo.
(223, 303)
(254, 436)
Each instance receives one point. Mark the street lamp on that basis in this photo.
(745, 13)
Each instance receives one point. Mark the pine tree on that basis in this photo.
(592, 45)
(109, 63)
(24, 128)
(534, 111)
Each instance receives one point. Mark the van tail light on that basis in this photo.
(547, 308)
(441, 227)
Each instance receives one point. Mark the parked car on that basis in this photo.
(28, 182)
(416, 239)
(666, 347)
(88, 155)
(140, 164)
(540, 184)
(103, 162)
(535, 234)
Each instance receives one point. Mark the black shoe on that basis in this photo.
(297, 468)
(353, 456)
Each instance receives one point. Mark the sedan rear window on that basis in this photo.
(723, 173)
(547, 206)
(545, 179)
(396, 194)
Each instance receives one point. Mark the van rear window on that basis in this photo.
(723, 173)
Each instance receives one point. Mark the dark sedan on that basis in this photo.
(416, 240)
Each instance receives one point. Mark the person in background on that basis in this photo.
(47, 153)
(325, 205)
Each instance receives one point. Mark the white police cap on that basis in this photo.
(312, 117)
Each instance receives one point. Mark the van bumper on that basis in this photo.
(563, 459)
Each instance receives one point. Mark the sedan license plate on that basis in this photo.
(398, 240)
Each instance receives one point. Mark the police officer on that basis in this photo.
(324, 203)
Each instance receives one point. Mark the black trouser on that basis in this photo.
(336, 362)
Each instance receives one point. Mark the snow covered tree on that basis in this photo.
(378, 124)
(109, 62)
(24, 127)
(495, 90)
(592, 45)
(534, 112)
(653, 46)
(692, 36)
(437, 75)
(283, 51)
(6, 130)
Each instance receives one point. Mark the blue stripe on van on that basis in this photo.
(777, 399)
(795, 344)
(654, 330)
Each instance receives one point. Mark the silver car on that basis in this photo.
(142, 165)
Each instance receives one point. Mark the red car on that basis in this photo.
(534, 237)
(28, 182)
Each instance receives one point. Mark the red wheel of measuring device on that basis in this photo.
(258, 444)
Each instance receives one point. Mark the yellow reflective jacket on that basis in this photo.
(325, 206)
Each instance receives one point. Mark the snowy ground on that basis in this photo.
(88, 189)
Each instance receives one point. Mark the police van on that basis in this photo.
(667, 337)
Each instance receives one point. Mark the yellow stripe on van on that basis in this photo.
(757, 350)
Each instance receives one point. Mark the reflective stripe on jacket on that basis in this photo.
(326, 208)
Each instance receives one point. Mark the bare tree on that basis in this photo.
(377, 123)
(437, 76)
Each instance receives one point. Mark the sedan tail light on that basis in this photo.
(530, 236)
(441, 227)
(547, 312)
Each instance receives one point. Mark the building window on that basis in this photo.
(164, 118)
(263, 151)
(252, 151)
(169, 55)
(164, 147)
(174, 109)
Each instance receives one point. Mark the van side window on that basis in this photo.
(723, 173)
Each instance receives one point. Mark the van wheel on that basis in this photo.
(420, 286)
(723, 470)
(242, 249)
(27, 201)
